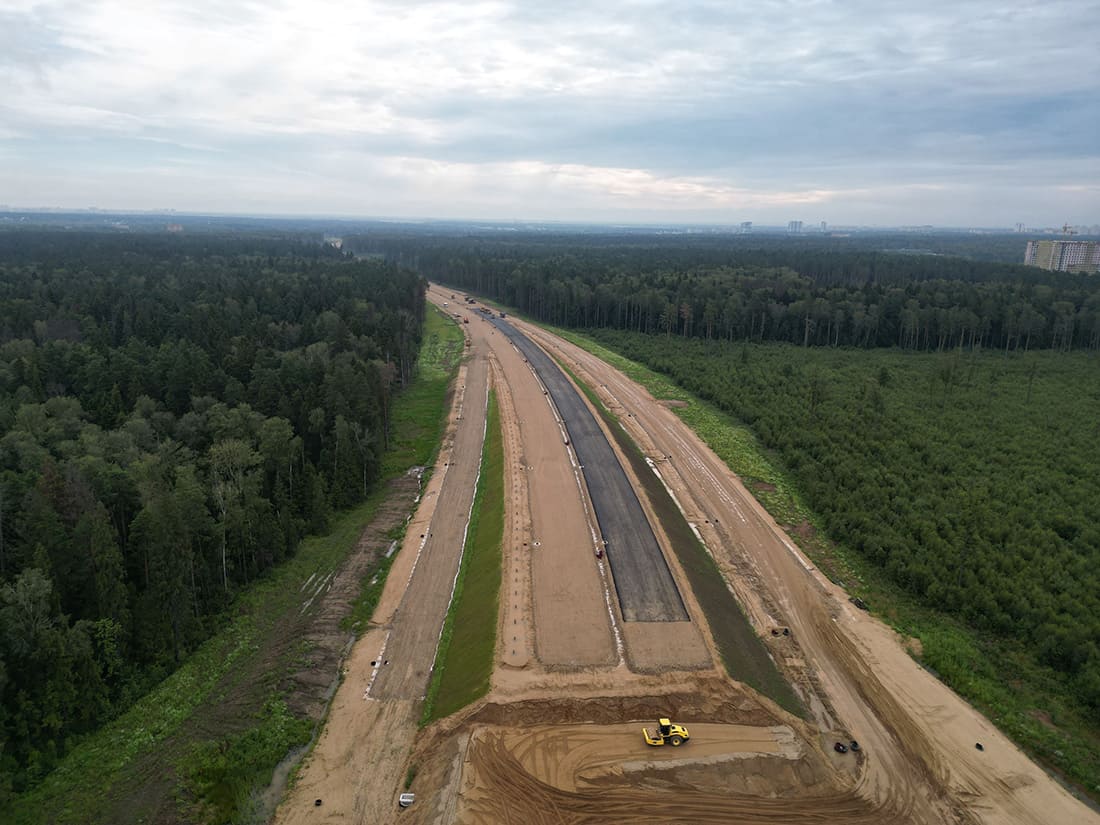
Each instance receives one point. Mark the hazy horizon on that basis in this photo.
(809, 229)
(860, 114)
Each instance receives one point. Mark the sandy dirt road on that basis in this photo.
(573, 597)
(414, 628)
(920, 736)
(355, 767)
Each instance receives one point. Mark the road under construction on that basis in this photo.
(592, 644)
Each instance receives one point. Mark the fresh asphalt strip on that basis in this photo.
(646, 589)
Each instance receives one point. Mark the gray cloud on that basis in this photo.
(639, 108)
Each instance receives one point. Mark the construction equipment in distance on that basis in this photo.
(665, 731)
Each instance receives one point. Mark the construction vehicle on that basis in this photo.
(666, 732)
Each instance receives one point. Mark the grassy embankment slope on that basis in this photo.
(223, 773)
(935, 480)
(464, 660)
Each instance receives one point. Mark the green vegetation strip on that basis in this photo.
(222, 774)
(743, 654)
(418, 416)
(464, 660)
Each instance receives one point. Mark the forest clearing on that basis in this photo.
(477, 763)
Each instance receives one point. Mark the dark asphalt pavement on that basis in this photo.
(646, 589)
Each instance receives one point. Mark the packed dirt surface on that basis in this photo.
(558, 739)
(528, 761)
(644, 585)
(404, 663)
(355, 767)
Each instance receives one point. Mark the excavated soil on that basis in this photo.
(576, 760)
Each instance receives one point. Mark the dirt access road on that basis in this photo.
(355, 768)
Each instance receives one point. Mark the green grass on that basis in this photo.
(222, 775)
(743, 654)
(78, 790)
(464, 659)
(418, 416)
(371, 586)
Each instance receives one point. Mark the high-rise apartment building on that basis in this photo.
(794, 227)
(1064, 256)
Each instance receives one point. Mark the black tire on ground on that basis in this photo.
(675, 741)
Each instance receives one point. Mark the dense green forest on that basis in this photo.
(821, 292)
(969, 479)
(175, 414)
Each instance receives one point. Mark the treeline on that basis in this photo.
(808, 292)
(174, 415)
(970, 480)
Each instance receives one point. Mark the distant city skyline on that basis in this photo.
(740, 227)
(636, 112)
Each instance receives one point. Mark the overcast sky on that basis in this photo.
(944, 112)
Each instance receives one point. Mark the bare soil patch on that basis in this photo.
(655, 647)
(323, 644)
(355, 766)
(584, 760)
(1044, 718)
(804, 530)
